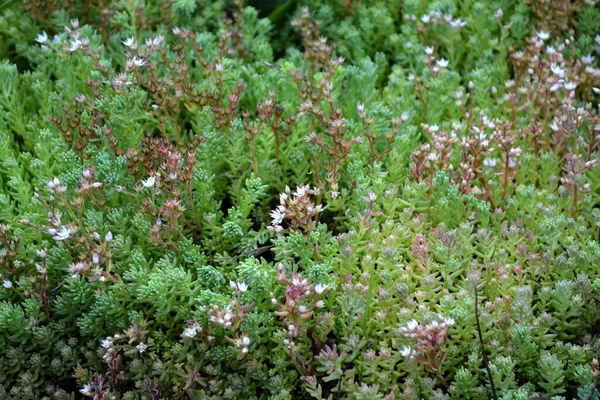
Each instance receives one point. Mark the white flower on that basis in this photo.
(457, 23)
(425, 19)
(557, 70)
(570, 86)
(7, 284)
(449, 321)
(433, 156)
(42, 37)
(74, 45)
(412, 325)
(246, 341)
(219, 68)
(593, 71)
(588, 59)
(372, 196)
(105, 343)
(149, 182)
(41, 253)
(429, 50)
(277, 216)
(129, 42)
(283, 198)
(190, 332)
(543, 35)
(40, 268)
(443, 63)
(141, 347)
(406, 351)
(87, 390)
(277, 229)
(139, 62)
(54, 183)
(243, 287)
(360, 107)
(135, 62)
(555, 87)
(319, 289)
(301, 190)
(158, 40)
(108, 237)
(63, 234)
(489, 162)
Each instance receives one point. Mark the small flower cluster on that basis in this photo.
(169, 180)
(230, 319)
(148, 142)
(193, 329)
(302, 299)
(269, 113)
(434, 18)
(297, 209)
(316, 49)
(397, 123)
(430, 348)
(572, 181)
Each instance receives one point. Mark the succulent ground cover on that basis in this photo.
(341, 199)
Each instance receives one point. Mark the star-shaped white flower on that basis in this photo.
(442, 63)
(42, 37)
(149, 182)
(543, 35)
(406, 351)
(129, 42)
(74, 46)
(62, 234)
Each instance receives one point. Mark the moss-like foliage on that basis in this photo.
(334, 199)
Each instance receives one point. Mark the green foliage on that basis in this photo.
(198, 201)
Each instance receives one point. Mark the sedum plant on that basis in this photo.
(307, 199)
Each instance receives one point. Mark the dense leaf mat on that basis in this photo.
(341, 199)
